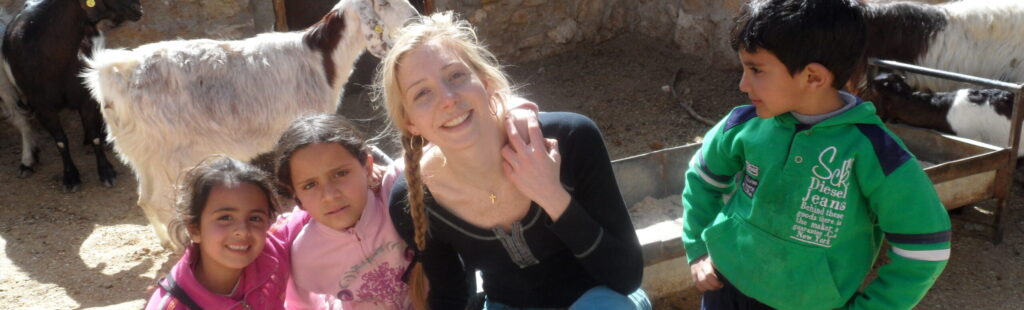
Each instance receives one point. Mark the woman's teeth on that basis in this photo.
(456, 121)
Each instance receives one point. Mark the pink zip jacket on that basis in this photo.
(263, 282)
(358, 268)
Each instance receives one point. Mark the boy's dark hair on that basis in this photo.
(800, 32)
(198, 182)
(314, 129)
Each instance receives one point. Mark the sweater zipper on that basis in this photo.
(362, 247)
(245, 298)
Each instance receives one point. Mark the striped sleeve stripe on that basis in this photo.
(937, 237)
(708, 176)
(927, 255)
(597, 241)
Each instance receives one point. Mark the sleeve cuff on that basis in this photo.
(578, 230)
(695, 251)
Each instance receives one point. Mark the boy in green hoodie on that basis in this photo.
(788, 200)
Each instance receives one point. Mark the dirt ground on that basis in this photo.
(93, 248)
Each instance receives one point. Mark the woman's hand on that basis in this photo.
(520, 113)
(377, 176)
(532, 164)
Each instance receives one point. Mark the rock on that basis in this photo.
(520, 17)
(564, 32)
(532, 41)
(478, 17)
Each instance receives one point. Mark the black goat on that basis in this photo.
(43, 47)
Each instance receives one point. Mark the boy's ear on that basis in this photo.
(818, 76)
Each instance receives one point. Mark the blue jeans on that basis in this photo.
(599, 297)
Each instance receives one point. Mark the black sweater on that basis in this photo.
(539, 263)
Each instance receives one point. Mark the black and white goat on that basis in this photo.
(13, 111)
(170, 104)
(42, 49)
(300, 14)
(977, 114)
(975, 37)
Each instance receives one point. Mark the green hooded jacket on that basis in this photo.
(794, 215)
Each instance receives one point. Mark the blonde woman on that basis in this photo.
(537, 212)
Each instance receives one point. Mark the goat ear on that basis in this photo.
(96, 10)
(372, 29)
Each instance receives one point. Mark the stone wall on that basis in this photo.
(520, 30)
(515, 30)
(186, 19)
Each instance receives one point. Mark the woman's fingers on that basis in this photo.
(533, 130)
(515, 138)
(552, 145)
(510, 156)
(518, 118)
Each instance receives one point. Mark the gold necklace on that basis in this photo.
(493, 195)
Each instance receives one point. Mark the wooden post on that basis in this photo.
(280, 18)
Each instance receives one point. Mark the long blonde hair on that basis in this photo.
(459, 36)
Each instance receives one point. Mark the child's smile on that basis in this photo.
(232, 229)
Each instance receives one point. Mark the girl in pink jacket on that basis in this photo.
(232, 261)
(349, 255)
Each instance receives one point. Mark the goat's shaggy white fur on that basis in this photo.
(169, 104)
(982, 38)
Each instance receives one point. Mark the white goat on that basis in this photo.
(983, 38)
(169, 104)
(12, 112)
(975, 37)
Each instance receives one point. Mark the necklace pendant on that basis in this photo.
(493, 198)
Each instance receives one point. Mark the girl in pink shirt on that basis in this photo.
(349, 255)
(231, 260)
